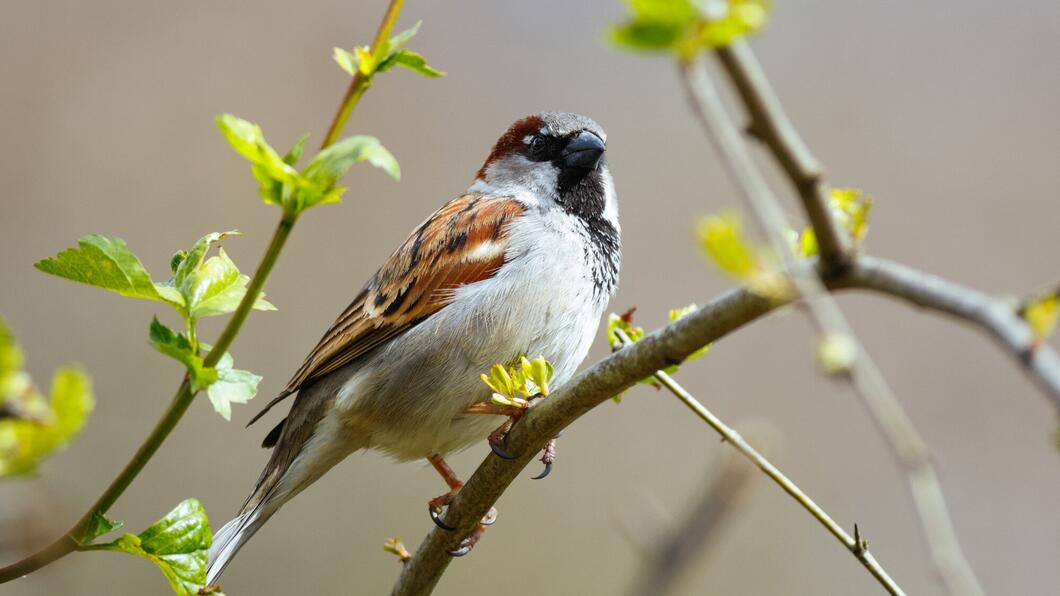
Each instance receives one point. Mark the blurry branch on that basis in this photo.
(673, 555)
(730, 483)
(81, 531)
(994, 316)
(905, 441)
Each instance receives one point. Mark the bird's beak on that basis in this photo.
(583, 151)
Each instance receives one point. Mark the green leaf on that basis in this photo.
(271, 171)
(722, 237)
(332, 163)
(178, 544)
(399, 40)
(346, 60)
(233, 386)
(725, 21)
(412, 61)
(98, 525)
(24, 442)
(105, 263)
(178, 347)
(686, 27)
(295, 152)
(209, 287)
(11, 359)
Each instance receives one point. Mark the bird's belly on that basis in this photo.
(424, 380)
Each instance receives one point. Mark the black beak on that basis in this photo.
(583, 151)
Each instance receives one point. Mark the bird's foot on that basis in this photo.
(438, 505)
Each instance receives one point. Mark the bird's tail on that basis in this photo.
(231, 537)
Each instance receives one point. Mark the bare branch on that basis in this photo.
(992, 315)
(771, 125)
(886, 411)
(855, 545)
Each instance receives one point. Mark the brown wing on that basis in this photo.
(463, 242)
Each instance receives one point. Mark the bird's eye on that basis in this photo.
(538, 146)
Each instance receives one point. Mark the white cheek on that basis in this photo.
(610, 198)
(519, 177)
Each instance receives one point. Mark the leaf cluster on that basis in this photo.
(514, 384)
(279, 183)
(178, 544)
(200, 286)
(391, 53)
(686, 27)
(32, 427)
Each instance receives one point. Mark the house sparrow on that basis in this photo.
(524, 263)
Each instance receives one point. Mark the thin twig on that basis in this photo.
(688, 540)
(884, 408)
(73, 538)
(731, 436)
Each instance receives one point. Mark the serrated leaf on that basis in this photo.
(105, 263)
(332, 163)
(178, 347)
(207, 287)
(25, 442)
(233, 386)
(178, 544)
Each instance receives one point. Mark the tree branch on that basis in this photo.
(907, 446)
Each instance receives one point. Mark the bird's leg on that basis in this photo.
(498, 438)
(437, 505)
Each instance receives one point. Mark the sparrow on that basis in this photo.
(522, 264)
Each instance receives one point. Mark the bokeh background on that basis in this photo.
(945, 111)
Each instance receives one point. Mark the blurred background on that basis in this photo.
(945, 112)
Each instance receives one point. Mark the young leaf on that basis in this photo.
(347, 61)
(399, 40)
(295, 152)
(722, 238)
(686, 26)
(724, 21)
(177, 544)
(178, 347)
(25, 442)
(209, 287)
(332, 163)
(850, 207)
(271, 171)
(412, 61)
(105, 263)
(233, 386)
(98, 525)
(676, 314)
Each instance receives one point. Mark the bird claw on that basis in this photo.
(463, 550)
(469, 543)
(436, 517)
(547, 458)
(490, 518)
(500, 452)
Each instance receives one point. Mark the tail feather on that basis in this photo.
(230, 538)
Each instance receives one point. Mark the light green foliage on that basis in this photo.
(31, 427)
(512, 385)
(104, 263)
(688, 26)
(634, 333)
(391, 53)
(723, 239)
(850, 207)
(836, 353)
(233, 386)
(1041, 315)
(177, 544)
(281, 184)
(207, 287)
(98, 525)
(177, 346)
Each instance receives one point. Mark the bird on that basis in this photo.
(522, 264)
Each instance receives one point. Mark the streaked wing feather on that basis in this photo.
(463, 242)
